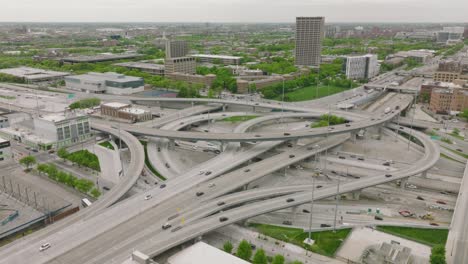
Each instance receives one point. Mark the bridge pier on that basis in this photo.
(245, 187)
(353, 136)
(253, 109)
(403, 183)
(424, 174)
(355, 196)
(294, 211)
(171, 144)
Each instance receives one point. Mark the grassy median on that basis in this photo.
(430, 237)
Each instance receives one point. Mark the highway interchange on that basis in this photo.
(116, 225)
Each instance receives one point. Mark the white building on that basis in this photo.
(362, 67)
(62, 129)
(34, 75)
(5, 150)
(109, 82)
(204, 253)
(4, 122)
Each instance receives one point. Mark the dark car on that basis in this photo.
(287, 222)
(386, 164)
(221, 203)
(162, 186)
(420, 198)
(223, 219)
(207, 173)
(388, 175)
(159, 149)
(306, 211)
(434, 224)
(292, 156)
(290, 145)
(286, 134)
(290, 200)
(378, 218)
(200, 193)
(347, 125)
(246, 170)
(342, 157)
(253, 246)
(360, 158)
(167, 165)
(440, 202)
(334, 172)
(106, 188)
(319, 186)
(325, 225)
(460, 150)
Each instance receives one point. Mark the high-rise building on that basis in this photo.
(361, 67)
(309, 35)
(176, 48)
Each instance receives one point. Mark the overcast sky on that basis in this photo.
(232, 10)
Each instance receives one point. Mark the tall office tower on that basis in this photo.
(309, 35)
(176, 48)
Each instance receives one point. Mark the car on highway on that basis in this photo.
(386, 164)
(342, 157)
(440, 202)
(420, 198)
(201, 172)
(166, 226)
(388, 175)
(286, 222)
(306, 211)
(290, 145)
(319, 186)
(292, 156)
(198, 194)
(460, 150)
(325, 225)
(147, 197)
(290, 200)
(347, 125)
(211, 185)
(378, 218)
(167, 165)
(207, 173)
(106, 188)
(360, 158)
(434, 224)
(221, 203)
(334, 172)
(159, 149)
(44, 247)
(286, 134)
(246, 170)
(223, 219)
(162, 186)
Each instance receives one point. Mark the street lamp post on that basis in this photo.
(336, 205)
(311, 208)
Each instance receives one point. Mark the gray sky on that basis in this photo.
(233, 10)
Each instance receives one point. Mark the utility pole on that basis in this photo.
(336, 205)
(311, 208)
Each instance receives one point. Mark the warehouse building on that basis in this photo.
(109, 82)
(33, 75)
(204, 253)
(217, 59)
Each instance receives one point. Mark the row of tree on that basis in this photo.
(82, 185)
(245, 252)
(85, 103)
(81, 157)
(438, 255)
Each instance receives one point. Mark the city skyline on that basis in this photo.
(413, 11)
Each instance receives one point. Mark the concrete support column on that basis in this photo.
(294, 211)
(353, 136)
(356, 195)
(171, 144)
(424, 174)
(245, 187)
(223, 146)
(224, 107)
(403, 183)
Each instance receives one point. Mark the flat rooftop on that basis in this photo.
(108, 76)
(212, 56)
(116, 105)
(204, 253)
(33, 73)
(141, 65)
(59, 117)
(133, 110)
(100, 57)
(2, 140)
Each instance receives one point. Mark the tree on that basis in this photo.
(244, 250)
(28, 161)
(438, 255)
(260, 257)
(278, 259)
(62, 153)
(296, 262)
(95, 193)
(228, 247)
(456, 131)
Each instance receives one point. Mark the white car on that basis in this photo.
(202, 172)
(211, 185)
(147, 197)
(44, 247)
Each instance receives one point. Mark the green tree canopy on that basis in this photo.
(28, 161)
(260, 257)
(244, 250)
(228, 247)
(278, 259)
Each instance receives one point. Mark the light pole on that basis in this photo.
(311, 209)
(412, 121)
(336, 205)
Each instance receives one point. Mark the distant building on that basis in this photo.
(176, 48)
(420, 56)
(309, 35)
(151, 68)
(205, 80)
(449, 34)
(217, 59)
(109, 82)
(125, 111)
(361, 67)
(204, 253)
(186, 65)
(331, 31)
(452, 70)
(99, 58)
(5, 150)
(33, 75)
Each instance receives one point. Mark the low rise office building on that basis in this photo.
(151, 68)
(125, 111)
(109, 82)
(185, 65)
